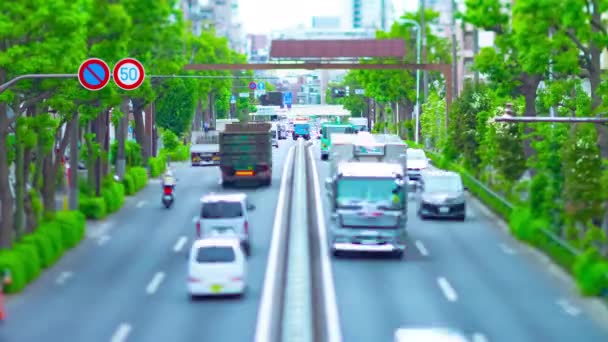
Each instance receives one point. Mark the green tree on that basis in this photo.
(175, 105)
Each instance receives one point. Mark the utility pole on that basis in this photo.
(425, 76)
(476, 51)
(454, 51)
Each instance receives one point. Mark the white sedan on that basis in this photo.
(217, 266)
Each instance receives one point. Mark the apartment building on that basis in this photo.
(376, 14)
(218, 15)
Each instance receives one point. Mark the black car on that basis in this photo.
(441, 195)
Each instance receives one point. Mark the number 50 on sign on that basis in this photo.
(129, 74)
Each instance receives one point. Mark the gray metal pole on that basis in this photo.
(424, 44)
(418, 49)
(454, 52)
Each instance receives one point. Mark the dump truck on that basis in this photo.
(367, 191)
(246, 153)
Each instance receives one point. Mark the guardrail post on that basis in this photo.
(297, 309)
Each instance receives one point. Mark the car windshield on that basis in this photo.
(215, 254)
(302, 126)
(354, 192)
(415, 154)
(443, 184)
(222, 210)
(329, 130)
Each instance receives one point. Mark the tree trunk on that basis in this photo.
(51, 168)
(121, 137)
(31, 221)
(74, 156)
(103, 140)
(6, 199)
(140, 129)
(48, 185)
(92, 161)
(198, 116)
(529, 87)
(20, 169)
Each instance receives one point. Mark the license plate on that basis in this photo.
(216, 158)
(216, 288)
(444, 210)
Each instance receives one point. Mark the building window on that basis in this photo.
(468, 40)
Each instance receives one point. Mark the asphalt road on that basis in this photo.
(469, 276)
(127, 280)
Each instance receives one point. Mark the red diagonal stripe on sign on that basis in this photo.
(92, 73)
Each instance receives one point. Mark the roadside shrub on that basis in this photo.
(180, 153)
(591, 273)
(132, 153)
(140, 177)
(72, 225)
(170, 140)
(128, 184)
(52, 230)
(31, 261)
(157, 165)
(92, 207)
(14, 262)
(44, 248)
(113, 194)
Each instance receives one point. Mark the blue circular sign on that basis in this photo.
(252, 85)
(94, 74)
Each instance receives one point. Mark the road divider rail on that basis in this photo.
(298, 297)
(268, 327)
(326, 314)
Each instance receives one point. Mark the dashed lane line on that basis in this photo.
(181, 242)
(155, 283)
(421, 248)
(447, 289)
(121, 333)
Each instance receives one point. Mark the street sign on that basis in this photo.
(261, 86)
(232, 99)
(259, 92)
(129, 74)
(287, 98)
(94, 74)
(243, 94)
(359, 91)
(252, 85)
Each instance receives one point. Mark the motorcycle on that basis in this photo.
(168, 196)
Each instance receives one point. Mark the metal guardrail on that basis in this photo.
(298, 299)
(268, 327)
(509, 206)
(297, 306)
(327, 320)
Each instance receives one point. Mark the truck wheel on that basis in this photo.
(324, 157)
(226, 184)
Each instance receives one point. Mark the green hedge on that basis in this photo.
(92, 207)
(589, 269)
(157, 165)
(42, 249)
(132, 153)
(180, 153)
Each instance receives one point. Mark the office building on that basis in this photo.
(376, 14)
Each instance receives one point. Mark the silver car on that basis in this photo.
(441, 195)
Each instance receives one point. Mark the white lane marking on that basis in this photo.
(478, 337)
(506, 249)
(63, 277)
(568, 308)
(103, 240)
(447, 289)
(155, 282)
(421, 248)
(140, 204)
(121, 333)
(95, 230)
(180, 244)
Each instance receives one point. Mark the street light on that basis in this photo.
(418, 48)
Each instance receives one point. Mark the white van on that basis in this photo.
(216, 267)
(225, 215)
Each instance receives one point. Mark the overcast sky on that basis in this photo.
(263, 16)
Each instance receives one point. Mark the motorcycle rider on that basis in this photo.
(169, 179)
